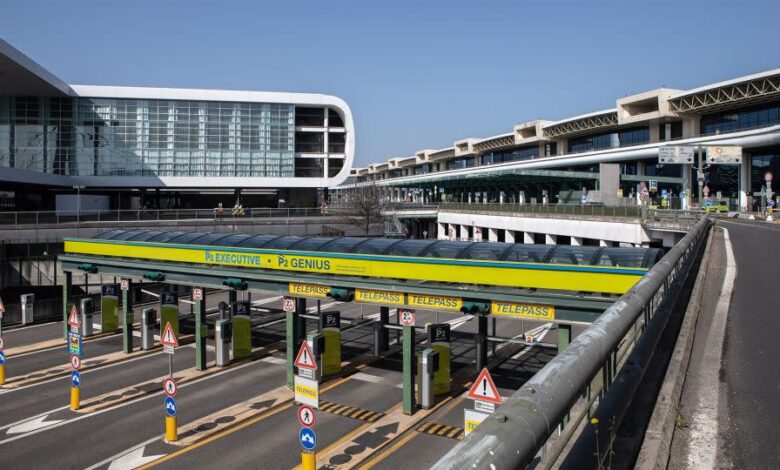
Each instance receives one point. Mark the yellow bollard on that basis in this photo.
(2, 374)
(308, 460)
(75, 398)
(171, 429)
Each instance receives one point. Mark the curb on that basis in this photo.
(657, 444)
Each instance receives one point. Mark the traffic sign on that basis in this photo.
(168, 338)
(124, 284)
(307, 392)
(407, 316)
(769, 202)
(288, 304)
(170, 406)
(706, 191)
(724, 154)
(74, 342)
(73, 318)
(2, 308)
(767, 177)
(75, 361)
(484, 389)
(197, 293)
(2, 358)
(2, 346)
(308, 438)
(169, 385)
(484, 406)
(305, 358)
(306, 416)
(708, 203)
(75, 378)
(472, 419)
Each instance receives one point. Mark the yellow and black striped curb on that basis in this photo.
(350, 412)
(436, 429)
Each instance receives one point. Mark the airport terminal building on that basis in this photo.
(129, 147)
(606, 156)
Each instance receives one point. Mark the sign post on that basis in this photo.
(74, 347)
(170, 343)
(485, 395)
(2, 352)
(407, 319)
(307, 388)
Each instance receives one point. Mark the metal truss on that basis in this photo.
(576, 126)
(494, 143)
(442, 154)
(761, 89)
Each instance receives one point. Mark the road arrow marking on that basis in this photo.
(133, 459)
(32, 425)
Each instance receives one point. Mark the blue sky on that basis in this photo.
(416, 74)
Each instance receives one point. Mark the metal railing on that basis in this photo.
(547, 209)
(217, 214)
(575, 385)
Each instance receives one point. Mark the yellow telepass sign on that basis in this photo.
(532, 311)
(435, 302)
(379, 296)
(309, 290)
(307, 391)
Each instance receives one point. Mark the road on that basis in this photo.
(741, 429)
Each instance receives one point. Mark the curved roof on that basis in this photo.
(558, 254)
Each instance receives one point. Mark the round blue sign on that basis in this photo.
(170, 406)
(708, 203)
(75, 378)
(2, 358)
(308, 438)
(770, 202)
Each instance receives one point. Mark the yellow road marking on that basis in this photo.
(389, 451)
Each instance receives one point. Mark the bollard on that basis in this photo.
(429, 364)
(75, 398)
(222, 334)
(171, 429)
(27, 308)
(2, 374)
(86, 317)
(148, 321)
(308, 460)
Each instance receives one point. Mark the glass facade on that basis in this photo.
(525, 153)
(143, 137)
(608, 140)
(748, 118)
(762, 162)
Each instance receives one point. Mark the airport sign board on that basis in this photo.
(676, 154)
(724, 154)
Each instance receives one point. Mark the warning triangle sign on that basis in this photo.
(305, 359)
(73, 318)
(484, 389)
(168, 338)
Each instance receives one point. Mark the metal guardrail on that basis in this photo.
(571, 386)
(61, 217)
(545, 209)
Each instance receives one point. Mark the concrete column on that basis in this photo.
(576, 241)
(550, 239)
(501, 197)
(464, 232)
(469, 197)
(744, 181)
(509, 236)
(604, 243)
(528, 238)
(441, 231)
(640, 168)
(493, 234)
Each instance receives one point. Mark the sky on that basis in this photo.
(416, 74)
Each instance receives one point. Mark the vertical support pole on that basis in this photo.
(201, 329)
(409, 361)
(564, 337)
(127, 318)
(493, 347)
(384, 319)
(232, 297)
(67, 301)
(293, 322)
(481, 343)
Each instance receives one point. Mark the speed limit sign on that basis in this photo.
(288, 305)
(407, 316)
(124, 284)
(197, 293)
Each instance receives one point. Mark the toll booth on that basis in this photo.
(27, 301)
(242, 329)
(109, 308)
(223, 332)
(439, 340)
(330, 329)
(169, 311)
(148, 321)
(86, 317)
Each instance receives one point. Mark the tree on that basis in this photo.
(363, 206)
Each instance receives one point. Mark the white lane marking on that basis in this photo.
(32, 425)
(367, 377)
(456, 323)
(61, 346)
(125, 452)
(392, 312)
(322, 307)
(703, 445)
(274, 360)
(121, 405)
(133, 459)
(6, 426)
